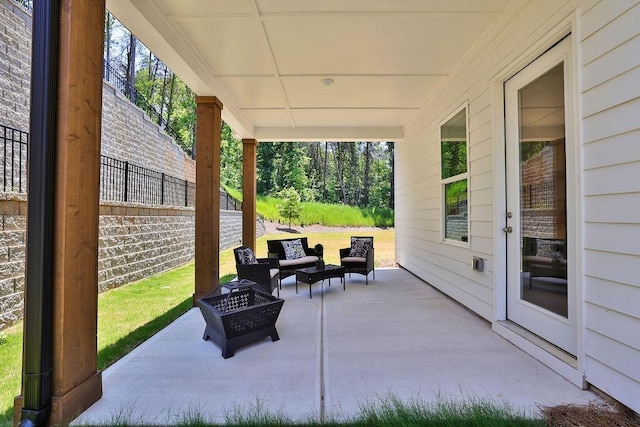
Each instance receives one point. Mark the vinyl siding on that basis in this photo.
(418, 199)
(610, 93)
(608, 75)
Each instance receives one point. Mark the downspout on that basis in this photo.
(37, 347)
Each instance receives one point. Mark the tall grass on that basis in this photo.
(331, 215)
(388, 412)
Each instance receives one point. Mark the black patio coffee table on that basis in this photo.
(311, 275)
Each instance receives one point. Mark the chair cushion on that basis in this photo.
(293, 249)
(360, 247)
(298, 261)
(353, 259)
(246, 256)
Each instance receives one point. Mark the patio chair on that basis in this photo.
(264, 271)
(359, 257)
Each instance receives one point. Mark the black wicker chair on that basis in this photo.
(265, 271)
(359, 257)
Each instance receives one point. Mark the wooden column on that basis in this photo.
(75, 380)
(249, 147)
(207, 239)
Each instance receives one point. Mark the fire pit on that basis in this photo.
(244, 315)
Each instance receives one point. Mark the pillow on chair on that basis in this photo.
(246, 256)
(293, 249)
(360, 247)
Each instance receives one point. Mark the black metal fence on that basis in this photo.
(14, 159)
(27, 4)
(122, 181)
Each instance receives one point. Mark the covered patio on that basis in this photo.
(340, 350)
(350, 71)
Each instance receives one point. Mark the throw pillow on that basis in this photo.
(360, 247)
(293, 249)
(246, 256)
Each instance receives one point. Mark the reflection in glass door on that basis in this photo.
(543, 207)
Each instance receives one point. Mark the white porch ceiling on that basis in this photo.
(266, 59)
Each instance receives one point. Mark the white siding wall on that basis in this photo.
(608, 37)
(610, 90)
(418, 200)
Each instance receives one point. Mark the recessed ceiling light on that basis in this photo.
(327, 82)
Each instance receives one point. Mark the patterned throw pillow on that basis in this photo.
(360, 247)
(293, 249)
(246, 256)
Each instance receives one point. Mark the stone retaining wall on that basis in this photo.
(135, 241)
(15, 65)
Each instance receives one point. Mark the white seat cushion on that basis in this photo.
(293, 262)
(353, 259)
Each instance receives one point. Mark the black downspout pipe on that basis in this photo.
(37, 347)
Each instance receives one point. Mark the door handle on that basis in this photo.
(508, 229)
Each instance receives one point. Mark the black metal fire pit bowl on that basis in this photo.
(243, 316)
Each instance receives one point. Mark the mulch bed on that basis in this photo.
(593, 414)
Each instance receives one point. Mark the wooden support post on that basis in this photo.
(75, 380)
(207, 238)
(249, 147)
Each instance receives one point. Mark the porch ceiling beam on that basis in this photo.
(329, 134)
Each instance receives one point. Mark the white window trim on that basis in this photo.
(459, 177)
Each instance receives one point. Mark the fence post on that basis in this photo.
(186, 193)
(162, 189)
(126, 181)
(4, 161)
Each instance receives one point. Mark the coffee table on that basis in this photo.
(312, 275)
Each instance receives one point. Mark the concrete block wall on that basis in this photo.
(15, 65)
(129, 134)
(135, 241)
(138, 241)
(13, 225)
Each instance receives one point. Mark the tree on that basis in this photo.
(230, 159)
(291, 208)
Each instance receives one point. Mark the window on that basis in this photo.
(453, 161)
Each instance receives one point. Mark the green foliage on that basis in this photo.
(352, 173)
(230, 159)
(456, 191)
(454, 158)
(290, 208)
(332, 215)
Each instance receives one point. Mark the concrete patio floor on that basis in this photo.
(342, 349)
